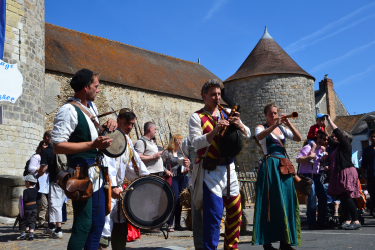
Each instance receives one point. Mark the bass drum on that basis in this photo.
(148, 202)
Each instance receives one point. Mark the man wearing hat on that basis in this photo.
(29, 207)
(77, 136)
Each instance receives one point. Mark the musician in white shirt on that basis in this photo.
(121, 169)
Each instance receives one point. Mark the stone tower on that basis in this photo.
(23, 121)
(268, 75)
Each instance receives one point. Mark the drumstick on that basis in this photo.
(126, 190)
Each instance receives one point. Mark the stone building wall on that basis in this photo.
(24, 120)
(11, 188)
(290, 92)
(147, 105)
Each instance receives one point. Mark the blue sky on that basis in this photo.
(324, 37)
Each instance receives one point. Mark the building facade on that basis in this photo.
(23, 121)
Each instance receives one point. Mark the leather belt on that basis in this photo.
(30, 203)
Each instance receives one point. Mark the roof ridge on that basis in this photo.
(124, 44)
(355, 125)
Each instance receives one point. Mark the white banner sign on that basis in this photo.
(10, 82)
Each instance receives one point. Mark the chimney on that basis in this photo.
(330, 98)
(322, 86)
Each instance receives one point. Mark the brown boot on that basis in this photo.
(269, 247)
(284, 246)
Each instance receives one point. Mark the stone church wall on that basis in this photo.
(290, 92)
(147, 105)
(23, 124)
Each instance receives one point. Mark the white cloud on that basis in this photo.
(353, 24)
(216, 7)
(355, 76)
(338, 59)
(302, 41)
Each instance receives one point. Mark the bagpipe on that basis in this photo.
(231, 139)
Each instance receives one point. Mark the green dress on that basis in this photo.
(284, 224)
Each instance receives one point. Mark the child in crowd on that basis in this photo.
(30, 208)
(320, 125)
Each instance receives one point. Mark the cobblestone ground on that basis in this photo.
(177, 240)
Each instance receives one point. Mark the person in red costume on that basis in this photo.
(312, 135)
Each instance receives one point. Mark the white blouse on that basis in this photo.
(258, 129)
(44, 179)
(34, 164)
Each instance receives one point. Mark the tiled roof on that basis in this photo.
(362, 126)
(268, 58)
(347, 123)
(67, 51)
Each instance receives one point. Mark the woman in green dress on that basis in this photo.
(276, 212)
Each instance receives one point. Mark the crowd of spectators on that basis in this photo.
(331, 164)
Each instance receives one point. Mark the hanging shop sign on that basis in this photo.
(11, 81)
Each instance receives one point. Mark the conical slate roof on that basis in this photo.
(268, 58)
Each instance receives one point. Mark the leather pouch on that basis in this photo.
(302, 184)
(210, 164)
(286, 166)
(79, 186)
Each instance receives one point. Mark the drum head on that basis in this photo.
(150, 204)
(119, 143)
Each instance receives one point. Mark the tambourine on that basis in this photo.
(118, 145)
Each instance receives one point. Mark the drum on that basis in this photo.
(148, 202)
(118, 145)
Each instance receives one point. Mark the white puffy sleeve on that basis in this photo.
(288, 133)
(64, 123)
(197, 139)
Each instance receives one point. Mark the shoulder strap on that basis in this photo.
(92, 118)
(169, 162)
(145, 144)
(92, 106)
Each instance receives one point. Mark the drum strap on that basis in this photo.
(119, 208)
(135, 166)
(92, 118)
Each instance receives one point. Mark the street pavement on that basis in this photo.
(179, 240)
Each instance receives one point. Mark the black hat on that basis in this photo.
(81, 79)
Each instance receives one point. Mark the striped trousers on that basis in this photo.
(212, 215)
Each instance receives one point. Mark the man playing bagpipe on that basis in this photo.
(204, 127)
